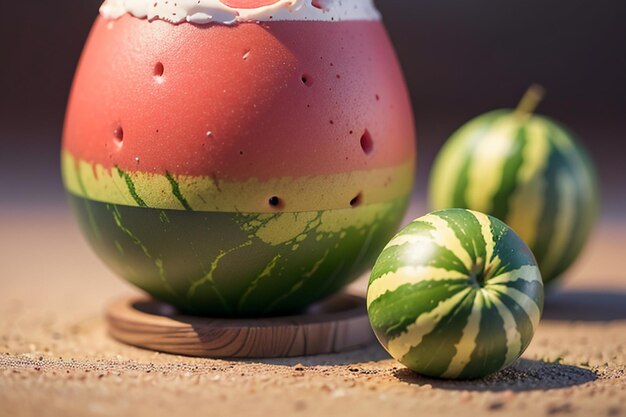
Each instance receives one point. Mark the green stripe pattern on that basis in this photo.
(456, 294)
(238, 264)
(531, 173)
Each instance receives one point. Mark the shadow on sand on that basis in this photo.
(523, 375)
(580, 305)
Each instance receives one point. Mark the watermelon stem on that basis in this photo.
(530, 101)
(477, 275)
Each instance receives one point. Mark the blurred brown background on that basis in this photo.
(460, 59)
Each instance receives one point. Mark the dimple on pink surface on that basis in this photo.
(250, 100)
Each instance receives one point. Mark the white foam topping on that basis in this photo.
(214, 11)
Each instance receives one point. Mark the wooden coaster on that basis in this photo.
(337, 324)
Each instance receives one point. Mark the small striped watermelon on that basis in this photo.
(455, 294)
(527, 171)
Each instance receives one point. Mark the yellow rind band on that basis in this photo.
(204, 193)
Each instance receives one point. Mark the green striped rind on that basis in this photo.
(172, 191)
(456, 294)
(530, 173)
(238, 264)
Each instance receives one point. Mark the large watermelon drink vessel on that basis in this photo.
(243, 157)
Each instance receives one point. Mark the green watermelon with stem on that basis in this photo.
(455, 294)
(528, 171)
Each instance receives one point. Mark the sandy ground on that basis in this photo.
(57, 360)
